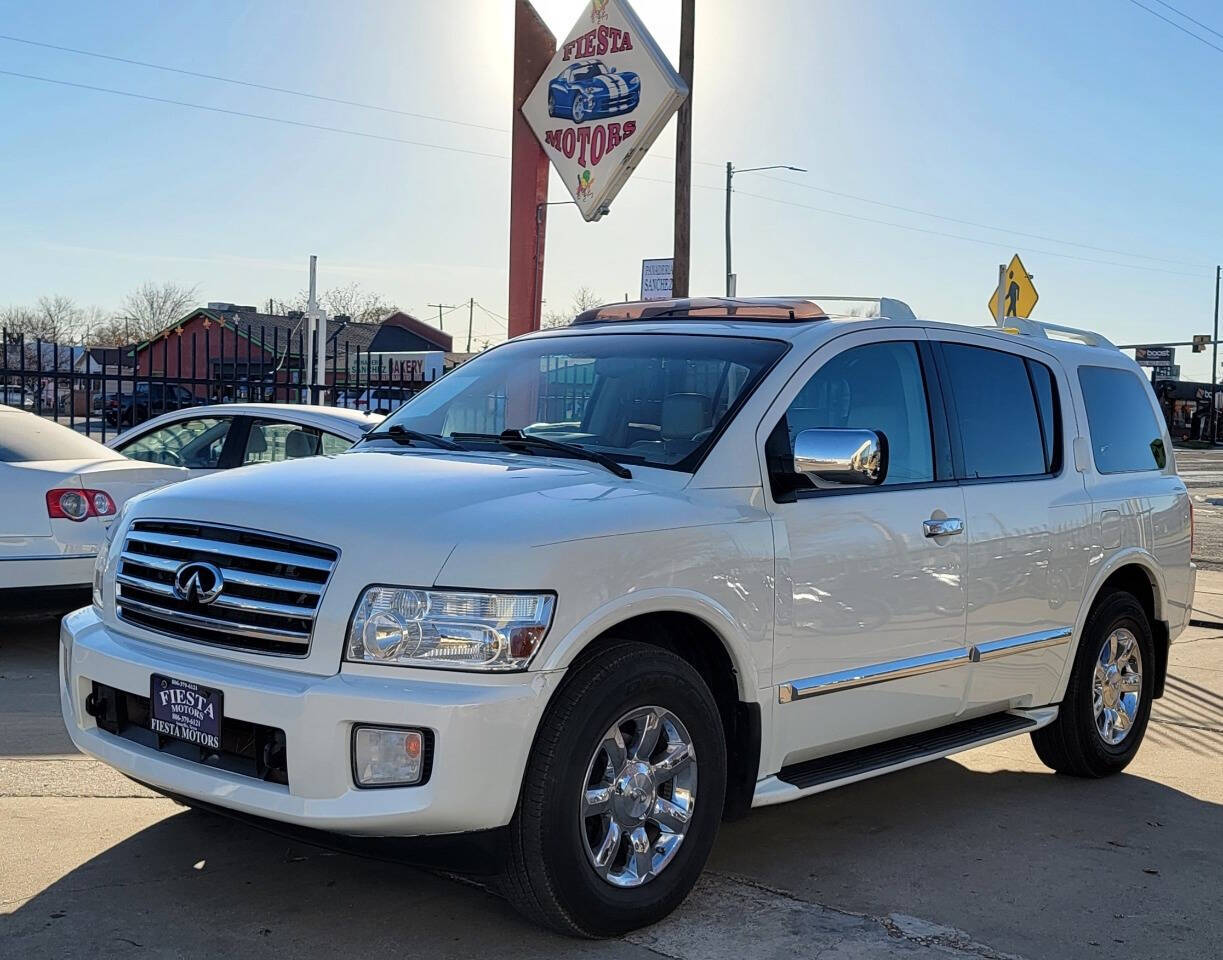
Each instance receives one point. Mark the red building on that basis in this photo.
(236, 353)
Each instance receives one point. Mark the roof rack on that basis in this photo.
(1053, 331)
(799, 309)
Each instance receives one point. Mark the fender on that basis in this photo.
(1130, 556)
(562, 651)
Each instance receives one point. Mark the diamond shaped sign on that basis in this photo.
(602, 102)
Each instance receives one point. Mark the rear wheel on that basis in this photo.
(1104, 714)
(622, 795)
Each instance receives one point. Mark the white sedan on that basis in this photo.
(59, 491)
(224, 435)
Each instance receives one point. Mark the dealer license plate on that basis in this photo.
(185, 711)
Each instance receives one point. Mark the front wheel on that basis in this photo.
(622, 795)
(1104, 714)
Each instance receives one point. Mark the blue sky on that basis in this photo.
(1090, 122)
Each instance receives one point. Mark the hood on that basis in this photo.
(404, 513)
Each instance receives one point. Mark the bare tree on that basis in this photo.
(351, 300)
(154, 306)
(56, 319)
(583, 299)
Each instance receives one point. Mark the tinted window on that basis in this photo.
(1046, 405)
(1000, 430)
(877, 386)
(196, 444)
(1124, 432)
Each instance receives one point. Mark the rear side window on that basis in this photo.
(1006, 408)
(1125, 435)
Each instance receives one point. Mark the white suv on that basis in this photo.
(600, 587)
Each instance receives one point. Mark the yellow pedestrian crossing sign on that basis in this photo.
(1019, 296)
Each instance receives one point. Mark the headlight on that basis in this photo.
(448, 628)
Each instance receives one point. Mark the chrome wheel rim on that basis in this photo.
(1116, 690)
(638, 796)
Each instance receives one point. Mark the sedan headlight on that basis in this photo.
(455, 629)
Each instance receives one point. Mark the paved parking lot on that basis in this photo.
(984, 855)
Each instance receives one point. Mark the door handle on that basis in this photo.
(947, 527)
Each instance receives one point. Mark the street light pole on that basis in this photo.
(730, 175)
(1214, 363)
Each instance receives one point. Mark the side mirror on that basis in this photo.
(841, 456)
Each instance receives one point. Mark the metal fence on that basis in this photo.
(101, 392)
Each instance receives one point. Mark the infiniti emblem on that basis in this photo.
(198, 581)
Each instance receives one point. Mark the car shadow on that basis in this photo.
(1029, 862)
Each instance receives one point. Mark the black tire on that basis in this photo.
(549, 876)
(1073, 744)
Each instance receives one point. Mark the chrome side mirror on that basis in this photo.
(841, 455)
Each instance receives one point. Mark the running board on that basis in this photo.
(906, 751)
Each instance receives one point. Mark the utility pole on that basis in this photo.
(471, 307)
(682, 251)
(311, 306)
(1214, 363)
(440, 307)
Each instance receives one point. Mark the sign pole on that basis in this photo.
(1000, 313)
(1214, 363)
(683, 156)
(534, 45)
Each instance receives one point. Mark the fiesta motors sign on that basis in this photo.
(602, 101)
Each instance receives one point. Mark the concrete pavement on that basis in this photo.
(983, 855)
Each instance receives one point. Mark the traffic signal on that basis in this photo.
(1199, 342)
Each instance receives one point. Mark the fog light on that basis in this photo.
(387, 756)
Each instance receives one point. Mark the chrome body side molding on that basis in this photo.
(875, 673)
(914, 666)
(1020, 644)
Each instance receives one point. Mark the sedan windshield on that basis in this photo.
(653, 399)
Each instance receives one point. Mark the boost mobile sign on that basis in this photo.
(603, 99)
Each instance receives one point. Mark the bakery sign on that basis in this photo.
(602, 101)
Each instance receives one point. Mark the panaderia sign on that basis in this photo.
(602, 101)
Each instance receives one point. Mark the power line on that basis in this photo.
(257, 116)
(708, 163)
(250, 83)
(500, 156)
(1173, 23)
(925, 230)
(1181, 13)
(983, 226)
(495, 316)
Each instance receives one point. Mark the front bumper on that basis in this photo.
(482, 729)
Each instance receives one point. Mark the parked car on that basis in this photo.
(61, 491)
(225, 435)
(146, 400)
(16, 397)
(374, 399)
(767, 552)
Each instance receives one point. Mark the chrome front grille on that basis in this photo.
(270, 589)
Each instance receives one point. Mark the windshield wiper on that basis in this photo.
(401, 434)
(517, 440)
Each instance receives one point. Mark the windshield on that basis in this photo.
(654, 399)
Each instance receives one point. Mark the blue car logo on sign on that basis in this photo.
(198, 582)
